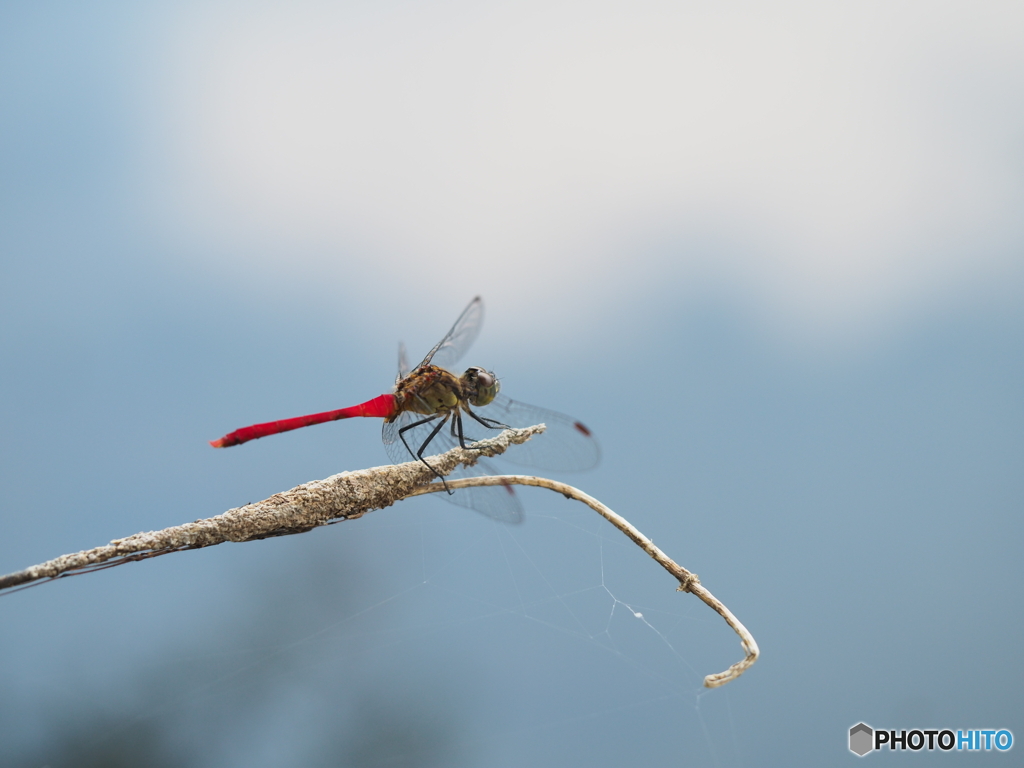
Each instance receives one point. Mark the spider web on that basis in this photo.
(457, 641)
(593, 627)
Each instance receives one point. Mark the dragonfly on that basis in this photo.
(432, 407)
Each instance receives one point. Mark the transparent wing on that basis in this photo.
(497, 502)
(565, 446)
(403, 362)
(500, 502)
(460, 338)
(400, 451)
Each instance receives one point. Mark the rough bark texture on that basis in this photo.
(345, 496)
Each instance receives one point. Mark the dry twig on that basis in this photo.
(348, 496)
(688, 582)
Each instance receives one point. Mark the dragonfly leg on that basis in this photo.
(456, 431)
(419, 454)
(457, 423)
(461, 434)
(431, 436)
(489, 423)
(407, 427)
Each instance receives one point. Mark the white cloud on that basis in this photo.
(849, 160)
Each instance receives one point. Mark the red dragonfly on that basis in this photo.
(428, 398)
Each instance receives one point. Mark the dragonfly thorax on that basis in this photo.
(428, 390)
(431, 389)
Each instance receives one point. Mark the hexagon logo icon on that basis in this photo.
(862, 739)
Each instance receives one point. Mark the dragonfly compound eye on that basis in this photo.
(483, 386)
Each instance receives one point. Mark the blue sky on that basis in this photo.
(772, 258)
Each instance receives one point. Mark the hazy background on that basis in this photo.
(772, 257)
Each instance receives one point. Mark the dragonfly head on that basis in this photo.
(480, 386)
